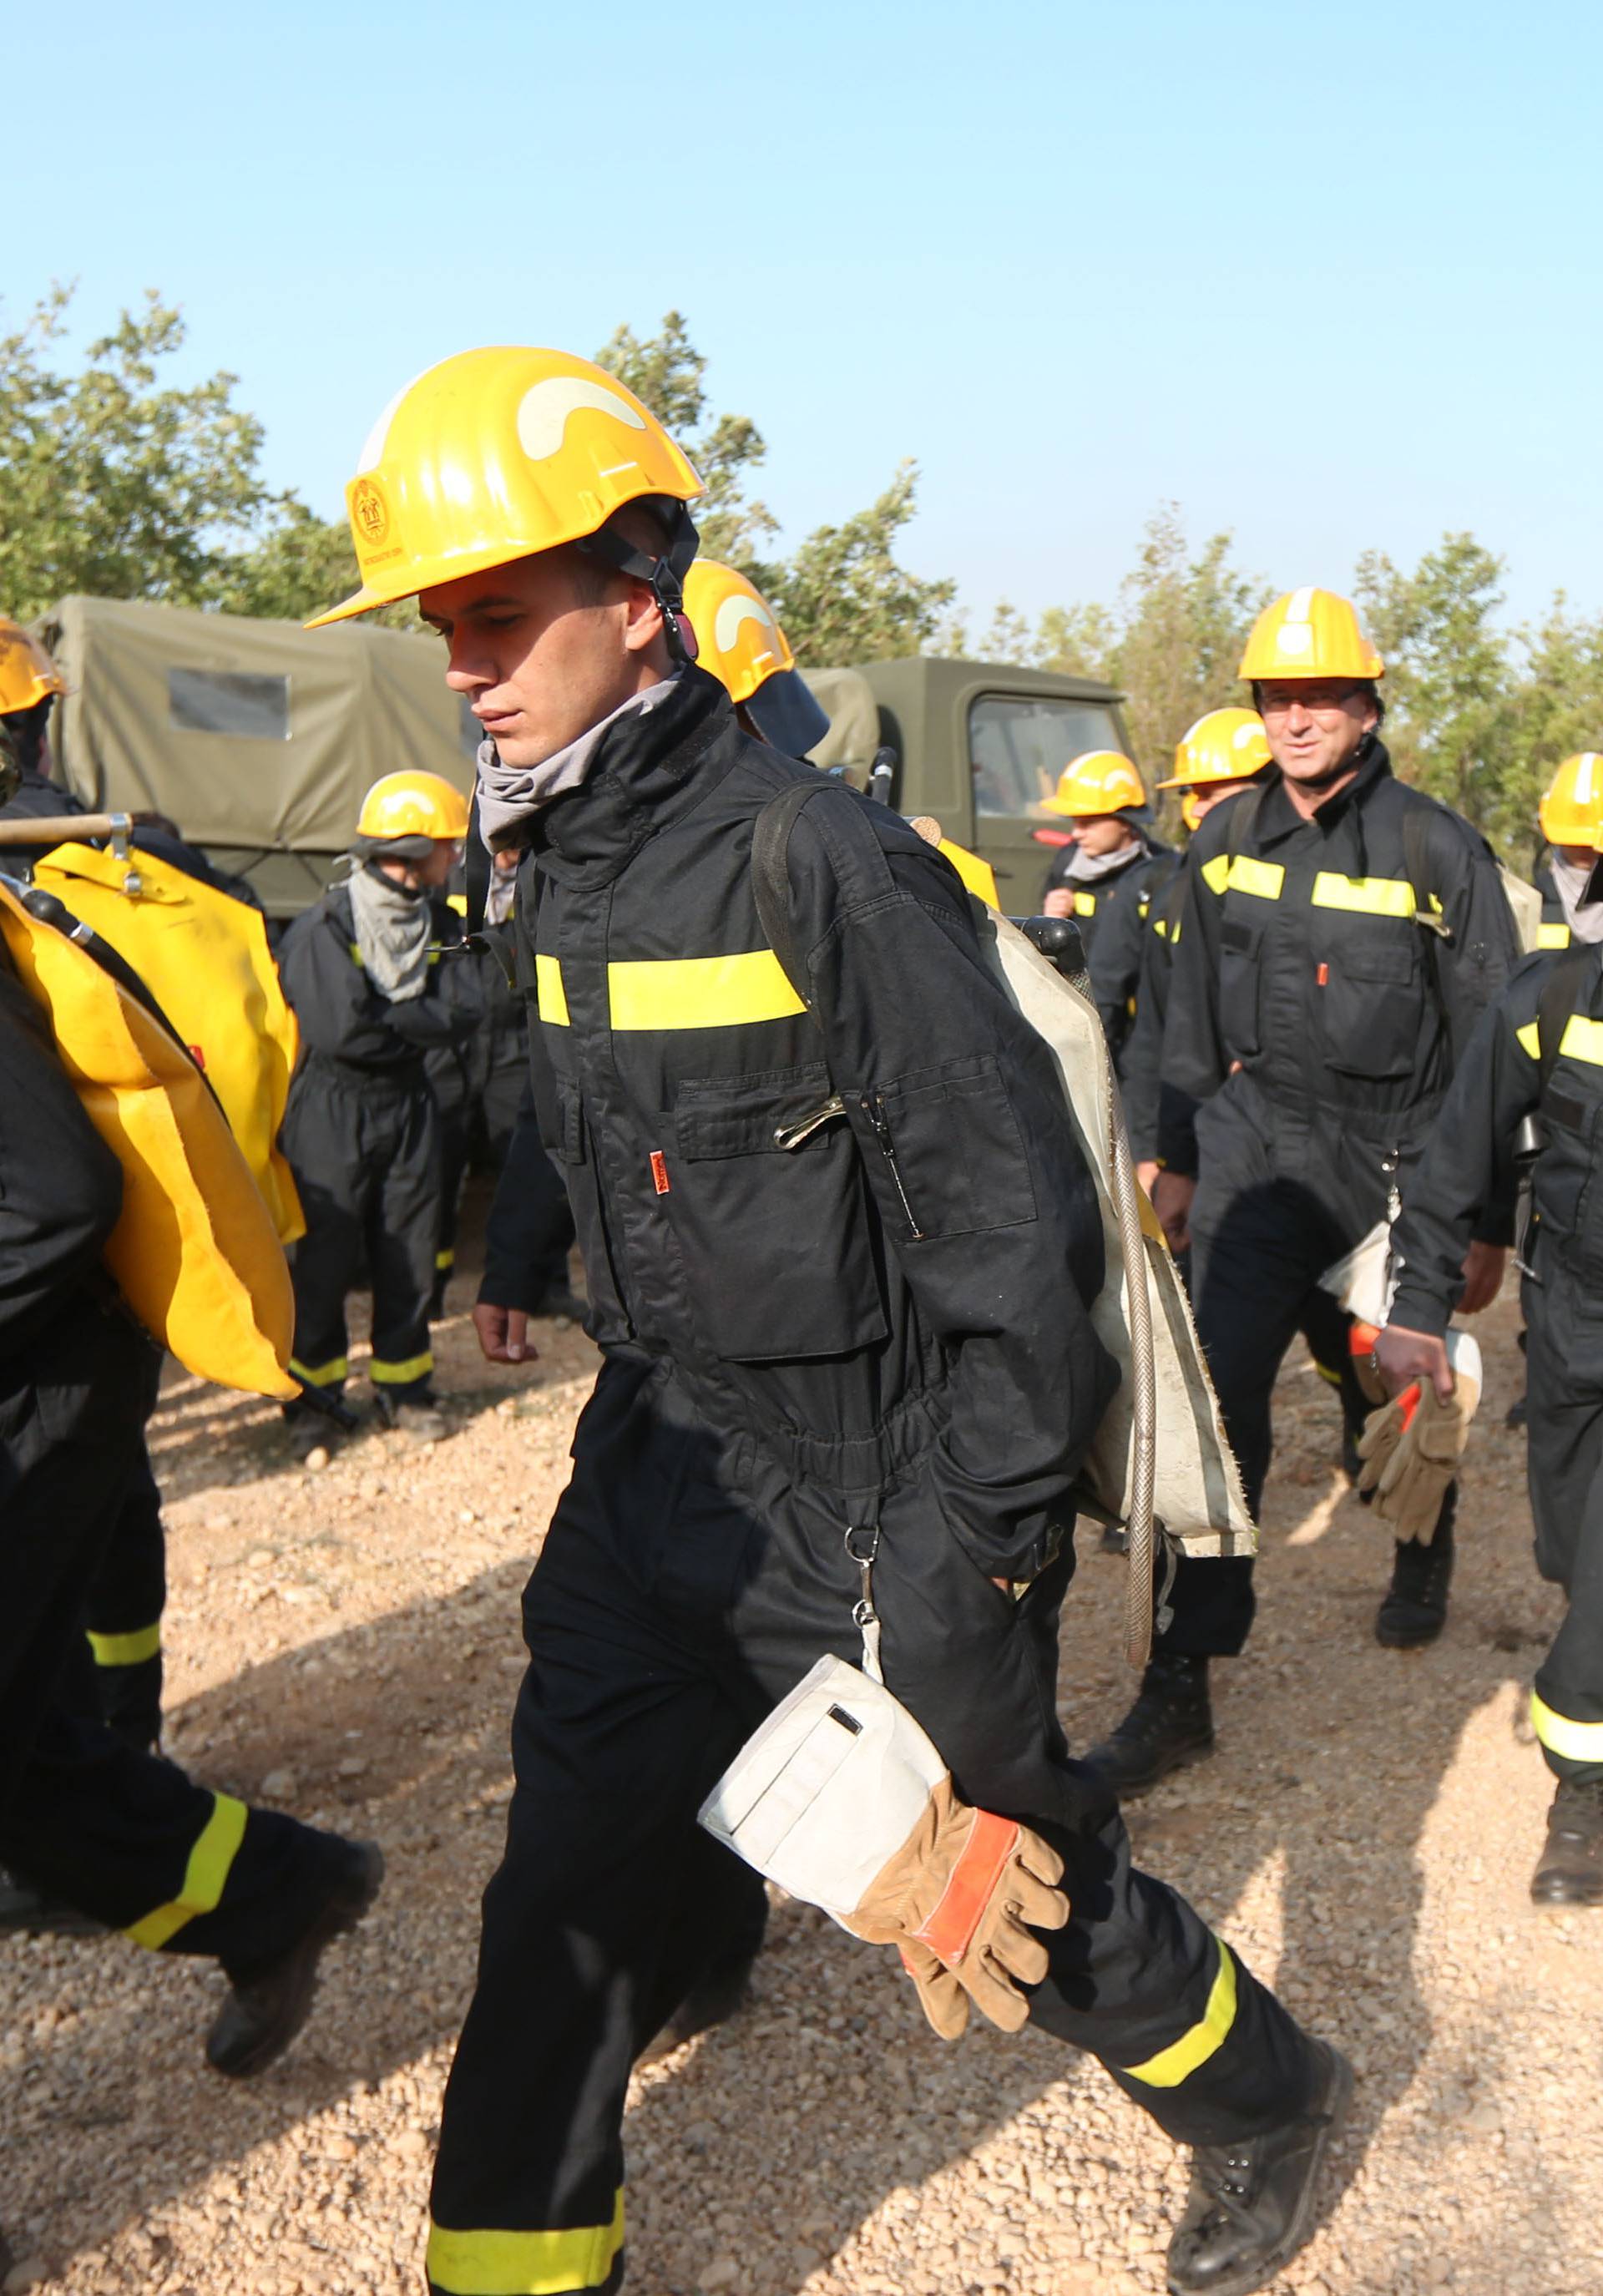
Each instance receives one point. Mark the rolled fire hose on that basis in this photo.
(67, 828)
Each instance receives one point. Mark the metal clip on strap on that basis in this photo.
(863, 1543)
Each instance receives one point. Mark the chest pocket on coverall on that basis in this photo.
(1240, 966)
(1370, 1007)
(776, 1241)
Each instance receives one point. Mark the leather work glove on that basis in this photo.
(959, 1894)
(1411, 1450)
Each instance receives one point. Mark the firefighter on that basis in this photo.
(1538, 1053)
(1342, 935)
(362, 1131)
(1106, 878)
(123, 1836)
(838, 1258)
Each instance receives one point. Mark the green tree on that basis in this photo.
(1558, 709)
(666, 372)
(1450, 680)
(111, 480)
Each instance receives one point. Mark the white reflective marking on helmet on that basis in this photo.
(1246, 735)
(545, 406)
(378, 437)
(1299, 608)
(1296, 637)
(1584, 777)
(734, 613)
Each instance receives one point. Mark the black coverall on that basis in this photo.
(1312, 1027)
(119, 1834)
(1113, 954)
(1466, 1166)
(881, 1325)
(482, 1085)
(362, 1134)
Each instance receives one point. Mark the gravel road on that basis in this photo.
(345, 1644)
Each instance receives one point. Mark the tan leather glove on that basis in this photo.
(962, 1889)
(1411, 1448)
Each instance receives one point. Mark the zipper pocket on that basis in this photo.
(791, 1136)
(874, 1109)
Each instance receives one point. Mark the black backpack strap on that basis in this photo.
(858, 858)
(1555, 1006)
(1243, 820)
(476, 869)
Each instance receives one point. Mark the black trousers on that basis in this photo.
(113, 1672)
(1280, 1198)
(1565, 1430)
(365, 1152)
(120, 1834)
(687, 1584)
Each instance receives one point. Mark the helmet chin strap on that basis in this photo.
(664, 576)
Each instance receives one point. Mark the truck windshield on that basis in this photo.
(1018, 744)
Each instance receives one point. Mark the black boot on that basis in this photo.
(1170, 1725)
(26, 1909)
(1414, 1610)
(1569, 1871)
(1251, 2205)
(268, 2005)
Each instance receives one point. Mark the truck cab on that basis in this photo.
(979, 745)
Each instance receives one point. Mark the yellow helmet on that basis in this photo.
(1572, 811)
(1309, 634)
(738, 637)
(495, 455)
(413, 805)
(1103, 781)
(26, 673)
(1226, 745)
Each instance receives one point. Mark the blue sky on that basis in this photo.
(1327, 276)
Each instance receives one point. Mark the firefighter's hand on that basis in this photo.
(1059, 903)
(1484, 1265)
(1403, 1357)
(1146, 1174)
(503, 1333)
(1172, 1195)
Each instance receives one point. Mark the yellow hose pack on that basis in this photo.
(194, 1251)
(204, 958)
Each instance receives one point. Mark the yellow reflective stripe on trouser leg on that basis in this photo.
(126, 1650)
(326, 1374)
(400, 1375)
(1181, 2058)
(205, 1877)
(524, 2263)
(700, 992)
(1571, 1742)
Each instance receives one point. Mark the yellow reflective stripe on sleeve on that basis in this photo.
(1571, 1742)
(1181, 2058)
(1264, 879)
(328, 1374)
(1552, 936)
(524, 2263)
(1582, 1040)
(1375, 896)
(700, 992)
(397, 1375)
(205, 1877)
(549, 991)
(1085, 905)
(126, 1650)
(1530, 1036)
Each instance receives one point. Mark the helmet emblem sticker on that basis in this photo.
(371, 513)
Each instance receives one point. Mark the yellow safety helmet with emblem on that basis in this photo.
(413, 804)
(1309, 634)
(1102, 781)
(1225, 745)
(496, 454)
(738, 639)
(1572, 811)
(26, 673)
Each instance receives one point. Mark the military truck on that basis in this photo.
(258, 738)
(979, 745)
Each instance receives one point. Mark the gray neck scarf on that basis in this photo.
(1090, 868)
(393, 932)
(1585, 918)
(508, 795)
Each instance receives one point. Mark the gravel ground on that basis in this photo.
(345, 1644)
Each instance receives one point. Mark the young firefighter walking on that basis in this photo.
(1538, 1053)
(838, 1256)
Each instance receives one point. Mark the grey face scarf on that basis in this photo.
(393, 932)
(1585, 918)
(509, 794)
(1090, 868)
